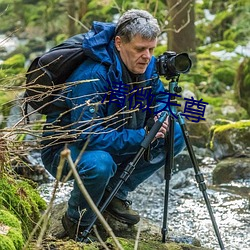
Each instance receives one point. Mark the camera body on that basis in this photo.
(171, 65)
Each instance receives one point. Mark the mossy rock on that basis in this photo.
(21, 199)
(128, 244)
(11, 237)
(231, 139)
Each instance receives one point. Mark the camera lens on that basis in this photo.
(182, 63)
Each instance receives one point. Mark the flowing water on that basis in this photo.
(187, 212)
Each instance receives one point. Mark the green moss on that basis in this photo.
(16, 61)
(239, 128)
(16, 237)
(6, 243)
(128, 244)
(21, 199)
(225, 75)
(13, 239)
(235, 125)
(13, 71)
(9, 219)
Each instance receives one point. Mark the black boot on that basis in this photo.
(75, 231)
(121, 211)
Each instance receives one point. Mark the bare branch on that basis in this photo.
(66, 154)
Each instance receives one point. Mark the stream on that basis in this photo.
(187, 212)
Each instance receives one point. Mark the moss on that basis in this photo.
(16, 61)
(21, 199)
(128, 244)
(9, 219)
(238, 128)
(225, 75)
(6, 243)
(13, 239)
(16, 237)
(13, 71)
(235, 125)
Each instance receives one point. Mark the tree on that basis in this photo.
(181, 26)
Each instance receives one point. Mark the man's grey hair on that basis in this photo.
(137, 22)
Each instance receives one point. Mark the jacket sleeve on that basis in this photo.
(89, 120)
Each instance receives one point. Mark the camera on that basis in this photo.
(171, 65)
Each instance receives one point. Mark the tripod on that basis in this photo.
(173, 88)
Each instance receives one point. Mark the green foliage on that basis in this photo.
(229, 23)
(242, 84)
(225, 75)
(12, 67)
(17, 61)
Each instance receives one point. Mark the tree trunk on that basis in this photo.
(83, 7)
(181, 27)
(71, 6)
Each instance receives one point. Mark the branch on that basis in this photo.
(67, 155)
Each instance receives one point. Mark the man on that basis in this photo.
(105, 116)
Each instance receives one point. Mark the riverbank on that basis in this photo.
(188, 216)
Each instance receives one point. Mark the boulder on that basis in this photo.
(199, 133)
(230, 140)
(231, 169)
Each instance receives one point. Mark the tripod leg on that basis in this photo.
(129, 168)
(199, 178)
(168, 173)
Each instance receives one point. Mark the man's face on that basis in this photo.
(137, 53)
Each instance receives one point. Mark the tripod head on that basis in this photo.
(171, 65)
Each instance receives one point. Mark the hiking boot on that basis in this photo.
(75, 231)
(121, 211)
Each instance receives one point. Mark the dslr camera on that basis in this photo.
(171, 65)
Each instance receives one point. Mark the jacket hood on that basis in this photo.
(98, 43)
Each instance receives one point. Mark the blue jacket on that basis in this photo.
(89, 118)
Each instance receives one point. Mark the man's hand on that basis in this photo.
(164, 128)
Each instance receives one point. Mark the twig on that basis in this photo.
(99, 238)
(77, 21)
(45, 217)
(137, 236)
(66, 155)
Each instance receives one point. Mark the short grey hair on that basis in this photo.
(137, 22)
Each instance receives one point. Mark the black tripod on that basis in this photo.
(173, 88)
(169, 163)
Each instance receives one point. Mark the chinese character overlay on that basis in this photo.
(143, 99)
(196, 109)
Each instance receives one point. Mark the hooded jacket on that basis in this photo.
(85, 113)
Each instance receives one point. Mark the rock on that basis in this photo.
(181, 179)
(199, 133)
(231, 169)
(230, 140)
(149, 238)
